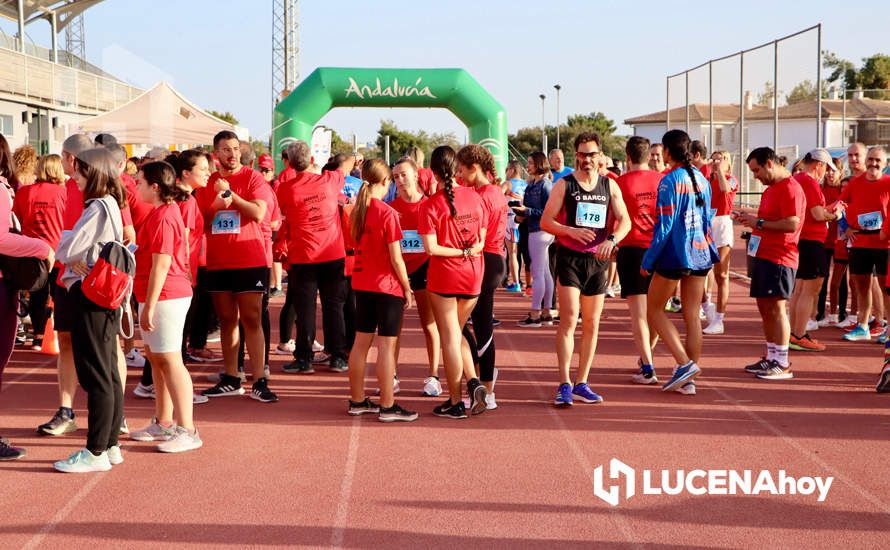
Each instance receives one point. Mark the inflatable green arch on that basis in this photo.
(453, 89)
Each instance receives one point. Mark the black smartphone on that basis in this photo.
(514, 204)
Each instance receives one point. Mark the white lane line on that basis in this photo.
(346, 486)
(60, 516)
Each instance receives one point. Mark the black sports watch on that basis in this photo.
(760, 223)
(612, 238)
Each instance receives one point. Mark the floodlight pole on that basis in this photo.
(743, 175)
(711, 106)
(820, 132)
(558, 88)
(543, 126)
(687, 101)
(667, 104)
(776, 96)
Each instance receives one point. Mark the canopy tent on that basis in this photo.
(159, 116)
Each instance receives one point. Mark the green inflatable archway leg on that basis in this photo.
(453, 89)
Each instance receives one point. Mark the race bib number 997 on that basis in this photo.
(590, 215)
(226, 222)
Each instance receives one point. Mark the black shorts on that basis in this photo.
(239, 281)
(868, 261)
(813, 260)
(417, 279)
(677, 274)
(582, 270)
(64, 305)
(771, 280)
(378, 312)
(629, 260)
(458, 296)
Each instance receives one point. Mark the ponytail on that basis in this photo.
(360, 211)
(679, 147)
(443, 163)
(687, 165)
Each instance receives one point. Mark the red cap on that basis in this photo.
(266, 161)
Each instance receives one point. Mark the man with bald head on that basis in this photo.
(856, 158)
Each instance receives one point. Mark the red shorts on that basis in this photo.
(841, 252)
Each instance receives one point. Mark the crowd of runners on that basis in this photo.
(212, 235)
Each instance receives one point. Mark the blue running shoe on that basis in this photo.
(563, 396)
(884, 337)
(584, 394)
(514, 288)
(682, 375)
(857, 334)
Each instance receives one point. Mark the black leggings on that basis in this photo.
(38, 305)
(349, 315)
(287, 318)
(201, 313)
(8, 324)
(482, 346)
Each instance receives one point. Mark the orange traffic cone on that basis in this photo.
(50, 339)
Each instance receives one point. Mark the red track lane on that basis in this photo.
(302, 473)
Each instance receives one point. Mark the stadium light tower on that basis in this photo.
(75, 42)
(285, 48)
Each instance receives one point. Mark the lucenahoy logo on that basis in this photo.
(705, 482)
(393, 90)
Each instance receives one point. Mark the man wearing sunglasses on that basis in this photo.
(588, 217)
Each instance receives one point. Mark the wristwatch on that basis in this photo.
(760, 223)
(612, 239)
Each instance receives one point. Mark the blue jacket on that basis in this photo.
(534, 200)
(681, 237)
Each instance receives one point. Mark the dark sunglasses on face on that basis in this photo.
(582, 156)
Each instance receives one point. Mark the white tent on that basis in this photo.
(159, 116)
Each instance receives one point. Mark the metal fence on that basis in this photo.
(768, 95)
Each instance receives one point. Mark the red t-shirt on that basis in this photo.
(139, 210)
(721, 203)
(454, 275)
(268, 194)
(425, 180)
(612, 175)
(780, 200)
(495, 204)
(74, 208)
(233, 240)
(867, 202)
(40, 209)
(412, 247)
(639, 189)
(163, 233)
(309, 203)
(813, 229)
(373, 271)
(287, 174)
(194, 222)
(831, 194)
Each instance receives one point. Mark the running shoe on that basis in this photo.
(776, 372)
(37, 344)
(528, 322)
(182, 441)
(715, 327)
(124, 428)
(758, 367)
(828, 320)
(154, 432)
(546, 320)
(338, 364)
(202, 355)
(884, 380)
(885, 335)
(857, 334)
(673, 305)
(432, 387)
(514, 288)
(396, 387)
(490, 403)
(477, 396)
(198, 399)
(8, 452)
(584, 394)
(849, 322)
(805, 343)
(134, 359)
(396, 414)
(451, 410)
(260, 391)
(316, 346)
(227, 385)
(495, 322)
(84, 461)
(682, 374)
(300, 366)
(275, 292)
(285, 348)
(563, 396)
(812, 324)
(214, 337)
(61, 423)
(529, 291)
(115, 456)
(319, 357)
(710, 310)
(217, 376)
(645, 377)
(610, 292)
(878, 329)
(358, 408)
(687, 389)
(143, 391)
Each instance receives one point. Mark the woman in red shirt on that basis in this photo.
(408, 204)
(723, 190)
(163, 289)
(382, 293)
(40, 208)
(476, 169)
(452, 227)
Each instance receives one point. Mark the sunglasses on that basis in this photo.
(582, 156)
(266, 170)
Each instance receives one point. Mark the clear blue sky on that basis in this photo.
(609, 56)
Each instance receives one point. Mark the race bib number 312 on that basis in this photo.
(590, 215)
(227, 222)
(411, 243)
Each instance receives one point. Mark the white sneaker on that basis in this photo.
(154, 432)
(716, 327)
(396, 388)
(640, 378)
(145, 392)
(285, 348)
(114, 455)
(687, 389)
(84, 461)
(849, 322)
(134, 359)
(182, 441)
(432, 387)
(610, 292)
(812, 325)
(710, 310)
(828, 320)
(198, 399)
(316, 346)
(490, 403)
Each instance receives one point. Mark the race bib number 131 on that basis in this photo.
(227, 222)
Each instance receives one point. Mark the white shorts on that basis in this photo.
(721, 231)
(169, 321)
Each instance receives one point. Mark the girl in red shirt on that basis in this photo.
(163, 289)
(382, 293)
(40, 208)
(408, 204)
(452, 227)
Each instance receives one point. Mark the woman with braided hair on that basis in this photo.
(681, 250)
(452, 226)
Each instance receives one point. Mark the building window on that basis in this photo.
(6, 125)
(884, 132)
(718, 137)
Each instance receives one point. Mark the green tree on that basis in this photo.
(874, 74)
(339, 145)
(765, 98)
(227, 117)
(528, 140)
(805, 91)
(400, 140)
